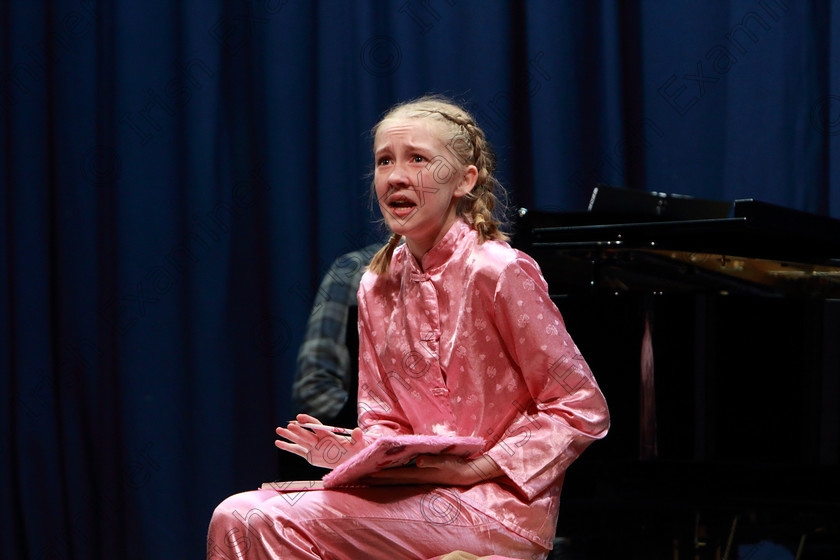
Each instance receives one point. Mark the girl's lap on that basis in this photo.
(389, 521)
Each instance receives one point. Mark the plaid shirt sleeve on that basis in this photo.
(321, 382)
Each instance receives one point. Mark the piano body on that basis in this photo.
(714, 331)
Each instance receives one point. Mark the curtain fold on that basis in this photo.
(176, 178)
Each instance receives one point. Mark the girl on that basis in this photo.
(457, 336)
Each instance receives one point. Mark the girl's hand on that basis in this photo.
(321, 449)
(446, 470)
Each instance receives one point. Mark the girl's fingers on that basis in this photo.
(430, 461)
(307, 419)
(358, 436)
(301, 433)
(291, 448)
(311, 445)
(297, 436)
(285, 433)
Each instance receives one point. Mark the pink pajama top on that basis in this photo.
(470, 344)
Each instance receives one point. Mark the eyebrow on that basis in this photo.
(409, 147)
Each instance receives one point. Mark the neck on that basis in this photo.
(418, 247)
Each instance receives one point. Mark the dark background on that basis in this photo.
(177, 176)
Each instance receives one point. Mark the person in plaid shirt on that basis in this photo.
(327, 362)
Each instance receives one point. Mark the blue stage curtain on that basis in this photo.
(176, 176)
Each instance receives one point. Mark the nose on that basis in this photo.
(399, 176)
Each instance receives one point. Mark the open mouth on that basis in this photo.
(401, 206)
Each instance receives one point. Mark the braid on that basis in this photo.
(382, 259)
(477, 206)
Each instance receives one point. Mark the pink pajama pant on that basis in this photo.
(390, 523)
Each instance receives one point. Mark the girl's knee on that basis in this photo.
(237, 523)
(246, 508)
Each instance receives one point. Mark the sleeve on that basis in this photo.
(566, 411)
(380, 413)
(323, 361)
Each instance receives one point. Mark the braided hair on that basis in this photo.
(482, 206)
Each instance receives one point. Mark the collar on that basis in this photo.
(443, 250)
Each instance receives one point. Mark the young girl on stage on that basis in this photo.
(458, 337)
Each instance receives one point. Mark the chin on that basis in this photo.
(401, 227)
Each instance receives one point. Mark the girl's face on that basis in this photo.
(418, 181)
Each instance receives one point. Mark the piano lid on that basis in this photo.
(667, 243)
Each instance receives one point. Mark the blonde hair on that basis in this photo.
(482, 206)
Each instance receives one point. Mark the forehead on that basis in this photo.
(413, 130)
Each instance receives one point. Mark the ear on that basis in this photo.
(467, 183)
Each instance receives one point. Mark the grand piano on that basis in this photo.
(713, 329)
